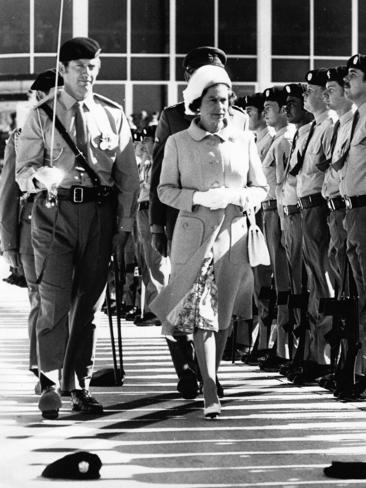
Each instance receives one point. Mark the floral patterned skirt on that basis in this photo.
(198, 309)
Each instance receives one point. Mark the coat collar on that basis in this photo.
(197, 133)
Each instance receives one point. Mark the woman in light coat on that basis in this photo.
(212, 173)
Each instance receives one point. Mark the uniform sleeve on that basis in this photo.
(30, 152)
(282, 152)
(9, 200)
(257, 187)
(326, 141)
(157, 208)
(126, 179)
(170, 191)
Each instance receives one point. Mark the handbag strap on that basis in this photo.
(79, 156)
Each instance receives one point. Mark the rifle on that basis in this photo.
(345, 311)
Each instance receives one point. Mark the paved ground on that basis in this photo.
(271, 433)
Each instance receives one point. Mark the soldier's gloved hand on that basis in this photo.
(13, 258)
(49, 177)
(213, 199)
(159, 242)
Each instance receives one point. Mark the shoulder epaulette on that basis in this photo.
(108, 101)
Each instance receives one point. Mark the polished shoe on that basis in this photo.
(82, 401)
(132, 313)
(272, 364)
(50, 403)
(187, 385)
(148, 319)
(212, 412)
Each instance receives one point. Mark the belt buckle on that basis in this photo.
(348, 202)
(78, 194)
(299, 202)
(331, 204)
(285, 210)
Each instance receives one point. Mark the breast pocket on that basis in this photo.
(187, 238)
(238, 240)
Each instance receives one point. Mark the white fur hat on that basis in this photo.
(201, 79)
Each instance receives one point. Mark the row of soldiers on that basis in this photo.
(313, 220)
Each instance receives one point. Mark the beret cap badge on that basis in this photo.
(310, 76)
(355, 60)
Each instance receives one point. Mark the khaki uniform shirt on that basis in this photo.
(110, 150)
(353, 173)
(332, 179)
(310, 178)
(287, 192)
(264, 139)
(275, 161)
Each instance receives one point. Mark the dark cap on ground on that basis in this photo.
(80, 465)
(46, 80)
(295, 89)
(317, 77)
(357, 61)
(200, 56)
(275, 94)
(79, 48)
(337, 74)
(256, 100)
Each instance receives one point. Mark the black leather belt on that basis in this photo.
(336, 203)
(291, 209)
(269, 205)
(84, 194)
(353, 202)
(314, 200)
(143, 205)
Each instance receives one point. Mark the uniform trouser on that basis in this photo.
(274, 239)
(72, 246)
(355, 225)
(27, 260)
(155, 268)
(315, 248)
(337, 246)
(292, 233)
(262, 281)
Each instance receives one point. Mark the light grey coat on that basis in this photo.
(196, 160)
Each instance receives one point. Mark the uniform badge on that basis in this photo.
(355, 59)
(309, 77)
(288, 89)
(267, 93)
(329, 74)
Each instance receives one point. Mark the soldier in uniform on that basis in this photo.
(77, 214)
(15, 218)
(353, 189)
(273, 167)
(314, 214)
(336, 100)
(162, 217)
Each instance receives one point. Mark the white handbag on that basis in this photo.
(257, 247)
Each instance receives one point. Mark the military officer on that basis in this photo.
(273, 167)
(162, 217)
(77, 214)
(314, 214)
(15, 218)
(353, 189)
(336, 100)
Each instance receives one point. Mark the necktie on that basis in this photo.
(324, 165)
(300, 157)
(80, 129)
(337, 165)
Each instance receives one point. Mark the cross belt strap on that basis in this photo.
(80, 158)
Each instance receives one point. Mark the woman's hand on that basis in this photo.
(214, 198)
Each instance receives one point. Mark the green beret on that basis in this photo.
(337, 74)
(275, 94)
(46, 80)
(317, 77)
(200, 56)
(79, 48)
(256, 100)
(295, 89)
(357, 61)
